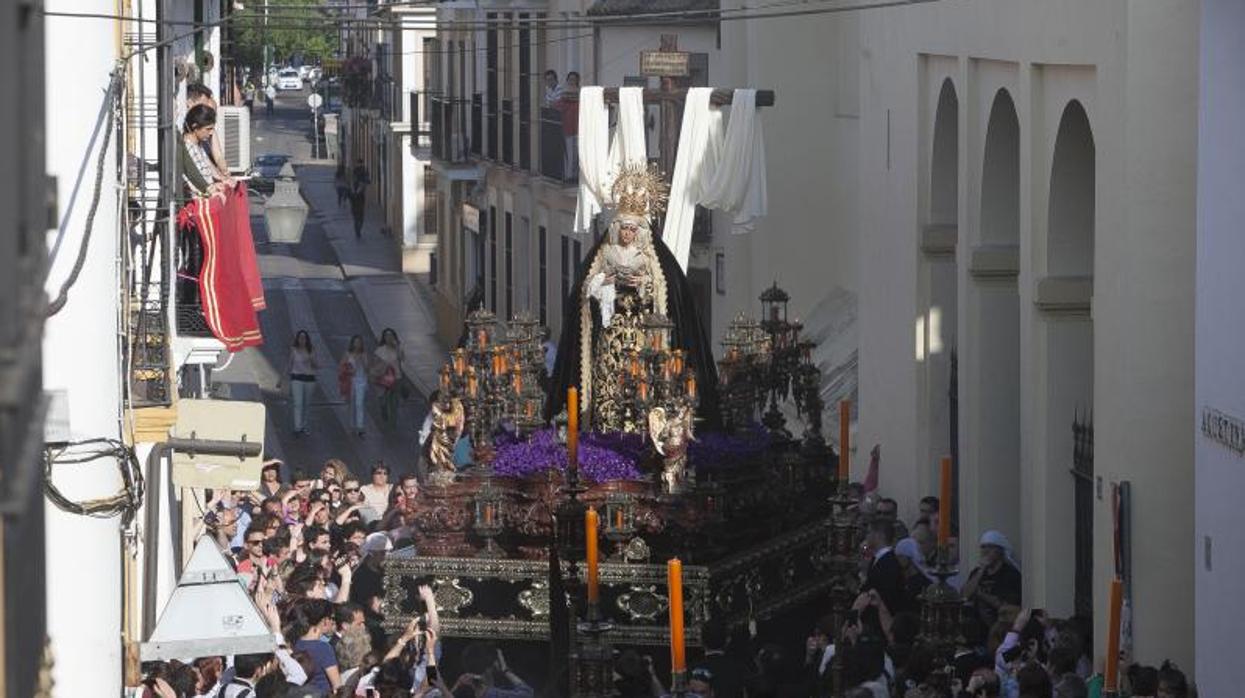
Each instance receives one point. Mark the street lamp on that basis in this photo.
(285, 212)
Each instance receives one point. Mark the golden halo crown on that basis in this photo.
(639, 190)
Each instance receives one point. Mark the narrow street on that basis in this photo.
(308, 286)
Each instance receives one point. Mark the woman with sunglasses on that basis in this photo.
(376, 493)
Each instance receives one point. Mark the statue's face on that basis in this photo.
(627, 233)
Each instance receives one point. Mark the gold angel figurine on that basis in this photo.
(447, 426)
(672, 433)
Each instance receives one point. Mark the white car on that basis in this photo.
(288, 80)
(304, 71)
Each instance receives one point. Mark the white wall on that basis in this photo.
(808, 242)
(1132, 66)
(81, 358)
(1220, 340)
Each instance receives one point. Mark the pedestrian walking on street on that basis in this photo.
(358, 205)
(270, 96)
(302, 372)
(386, 372)
(341, 184)
(352, 381)
(248, 95)
(358, 196)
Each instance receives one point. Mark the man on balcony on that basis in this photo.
(553, 91)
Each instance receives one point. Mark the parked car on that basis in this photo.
(288, 80)
(304, 72)
(265, 171)
(315, 75)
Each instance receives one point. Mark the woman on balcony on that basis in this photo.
(302, 372)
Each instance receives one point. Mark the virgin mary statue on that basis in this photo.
(629, 274)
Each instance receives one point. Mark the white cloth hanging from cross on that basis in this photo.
(712, 170)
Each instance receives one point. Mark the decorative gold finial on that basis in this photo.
(640, 190)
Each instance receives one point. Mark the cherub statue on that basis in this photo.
(447, 426)
(672, 433)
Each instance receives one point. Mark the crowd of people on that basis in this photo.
(309, 550)
(310, 547)
(1004, 651)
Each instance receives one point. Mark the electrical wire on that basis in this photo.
(578, 22)
(125, 503)
(112, 99)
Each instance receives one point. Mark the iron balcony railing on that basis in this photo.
(451, 124)
(553, 161)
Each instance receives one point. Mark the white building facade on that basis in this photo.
(385, 132)
(1220, 402)
(1027, 202)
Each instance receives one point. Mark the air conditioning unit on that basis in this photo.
(233, 126)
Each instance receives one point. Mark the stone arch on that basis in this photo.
(1066, 330)
(1070, 249)
(944, 182)
(939, 279)
(991, 360)
(1000, 174)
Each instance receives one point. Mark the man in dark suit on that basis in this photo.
(723, 672)
(884, 574)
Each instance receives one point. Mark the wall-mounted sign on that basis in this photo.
(471, 217)
(665, 64)
(1229, 431)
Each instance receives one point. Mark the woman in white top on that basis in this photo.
(376, 493)
(386, 373)
(352, 379)
(302, 371)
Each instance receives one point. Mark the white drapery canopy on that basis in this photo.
(717, 171)
(599, 157)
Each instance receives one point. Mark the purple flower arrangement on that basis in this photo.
(602, 457)
(616, 456)
(721, 450)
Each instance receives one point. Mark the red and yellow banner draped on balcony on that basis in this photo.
(230, 289)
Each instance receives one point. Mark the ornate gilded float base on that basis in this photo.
(509, 598)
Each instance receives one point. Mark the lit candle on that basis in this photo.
(643, 389)
(845, 447)
(459, 362)
(472, 385)
(445, 378)
(944, 501)
(618, 518)
(677, 359)
(691, 386)
(594, 574)
(518, 382)
(482, 338)
(572, 427)
(488, 513)
(1111, 683)
(531, 409)
(674, 579)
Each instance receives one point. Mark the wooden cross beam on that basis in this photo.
(673, 67)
